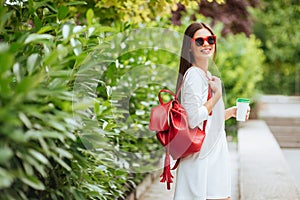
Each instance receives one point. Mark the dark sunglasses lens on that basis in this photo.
(211, 40)
(199, 41)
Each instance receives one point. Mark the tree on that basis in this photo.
(233, 15)
(277, 27)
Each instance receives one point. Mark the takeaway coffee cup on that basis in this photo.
(242, 106)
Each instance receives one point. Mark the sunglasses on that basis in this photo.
(199, 41)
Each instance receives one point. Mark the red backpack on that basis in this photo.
(170, 121)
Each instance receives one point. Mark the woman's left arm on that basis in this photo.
(231, 112)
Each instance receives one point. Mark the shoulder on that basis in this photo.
(194, 74)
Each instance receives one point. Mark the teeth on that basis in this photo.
(205, 50)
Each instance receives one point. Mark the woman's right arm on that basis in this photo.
(193, 98)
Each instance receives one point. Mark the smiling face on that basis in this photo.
(204, 51)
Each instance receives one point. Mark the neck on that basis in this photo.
(201, 63)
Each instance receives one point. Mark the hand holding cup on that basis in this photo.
(243, 109)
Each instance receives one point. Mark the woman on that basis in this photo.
(205, 174)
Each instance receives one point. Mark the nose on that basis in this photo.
(205, 43)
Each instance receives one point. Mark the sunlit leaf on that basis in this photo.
(45, 29)
(40, 157)
(5, 154)
(76, 3)
(6, 179)
(25, 120)
(66, 31)
(62, 163)
(63, 153)
(32, 181)
(38, 37)
(31, 62)
(90, 16)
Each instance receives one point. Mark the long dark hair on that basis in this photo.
(186, 58)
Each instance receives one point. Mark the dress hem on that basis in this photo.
(218, 197)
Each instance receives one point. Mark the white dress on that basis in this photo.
(205, 174)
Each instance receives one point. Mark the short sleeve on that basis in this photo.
(194, 96)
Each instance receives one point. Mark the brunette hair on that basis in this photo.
(186, 57)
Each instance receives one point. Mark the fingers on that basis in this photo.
(248, 113)
(234, 109)
(214, 78)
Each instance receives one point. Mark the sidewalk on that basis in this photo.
(292, 156)
(285, 113)
(264, 173)
(158, 191)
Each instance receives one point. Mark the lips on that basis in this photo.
(206, 51)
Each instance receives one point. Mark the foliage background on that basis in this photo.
(276, 26)
(65, 136)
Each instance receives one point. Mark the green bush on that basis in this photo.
(64, 137)
(44, 153)
(240, 61)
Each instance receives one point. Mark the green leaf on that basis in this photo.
(51, 58)
(62, 12)
(90, 16)
(63, 153)
(40, 157)
(17, 71)
(60, 73)
(62, 163)
(39, 4)
(45, 29)
(70, 135)
(33, 162)
(25, 120)
(38, 37)
(32, 181)
(5, 154)
(56, 125)
(76, 3)
(6, 61)
(4, 16)
(28, 83)
(37, 22)
(44, 146)
(6, 179)
(18, 136)
(31, 62)
(32, 134)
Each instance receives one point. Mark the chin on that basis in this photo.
(206, 55)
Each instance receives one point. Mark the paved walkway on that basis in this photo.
(292, 157)
(264, 173)
(284, 107)
(158, 191)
